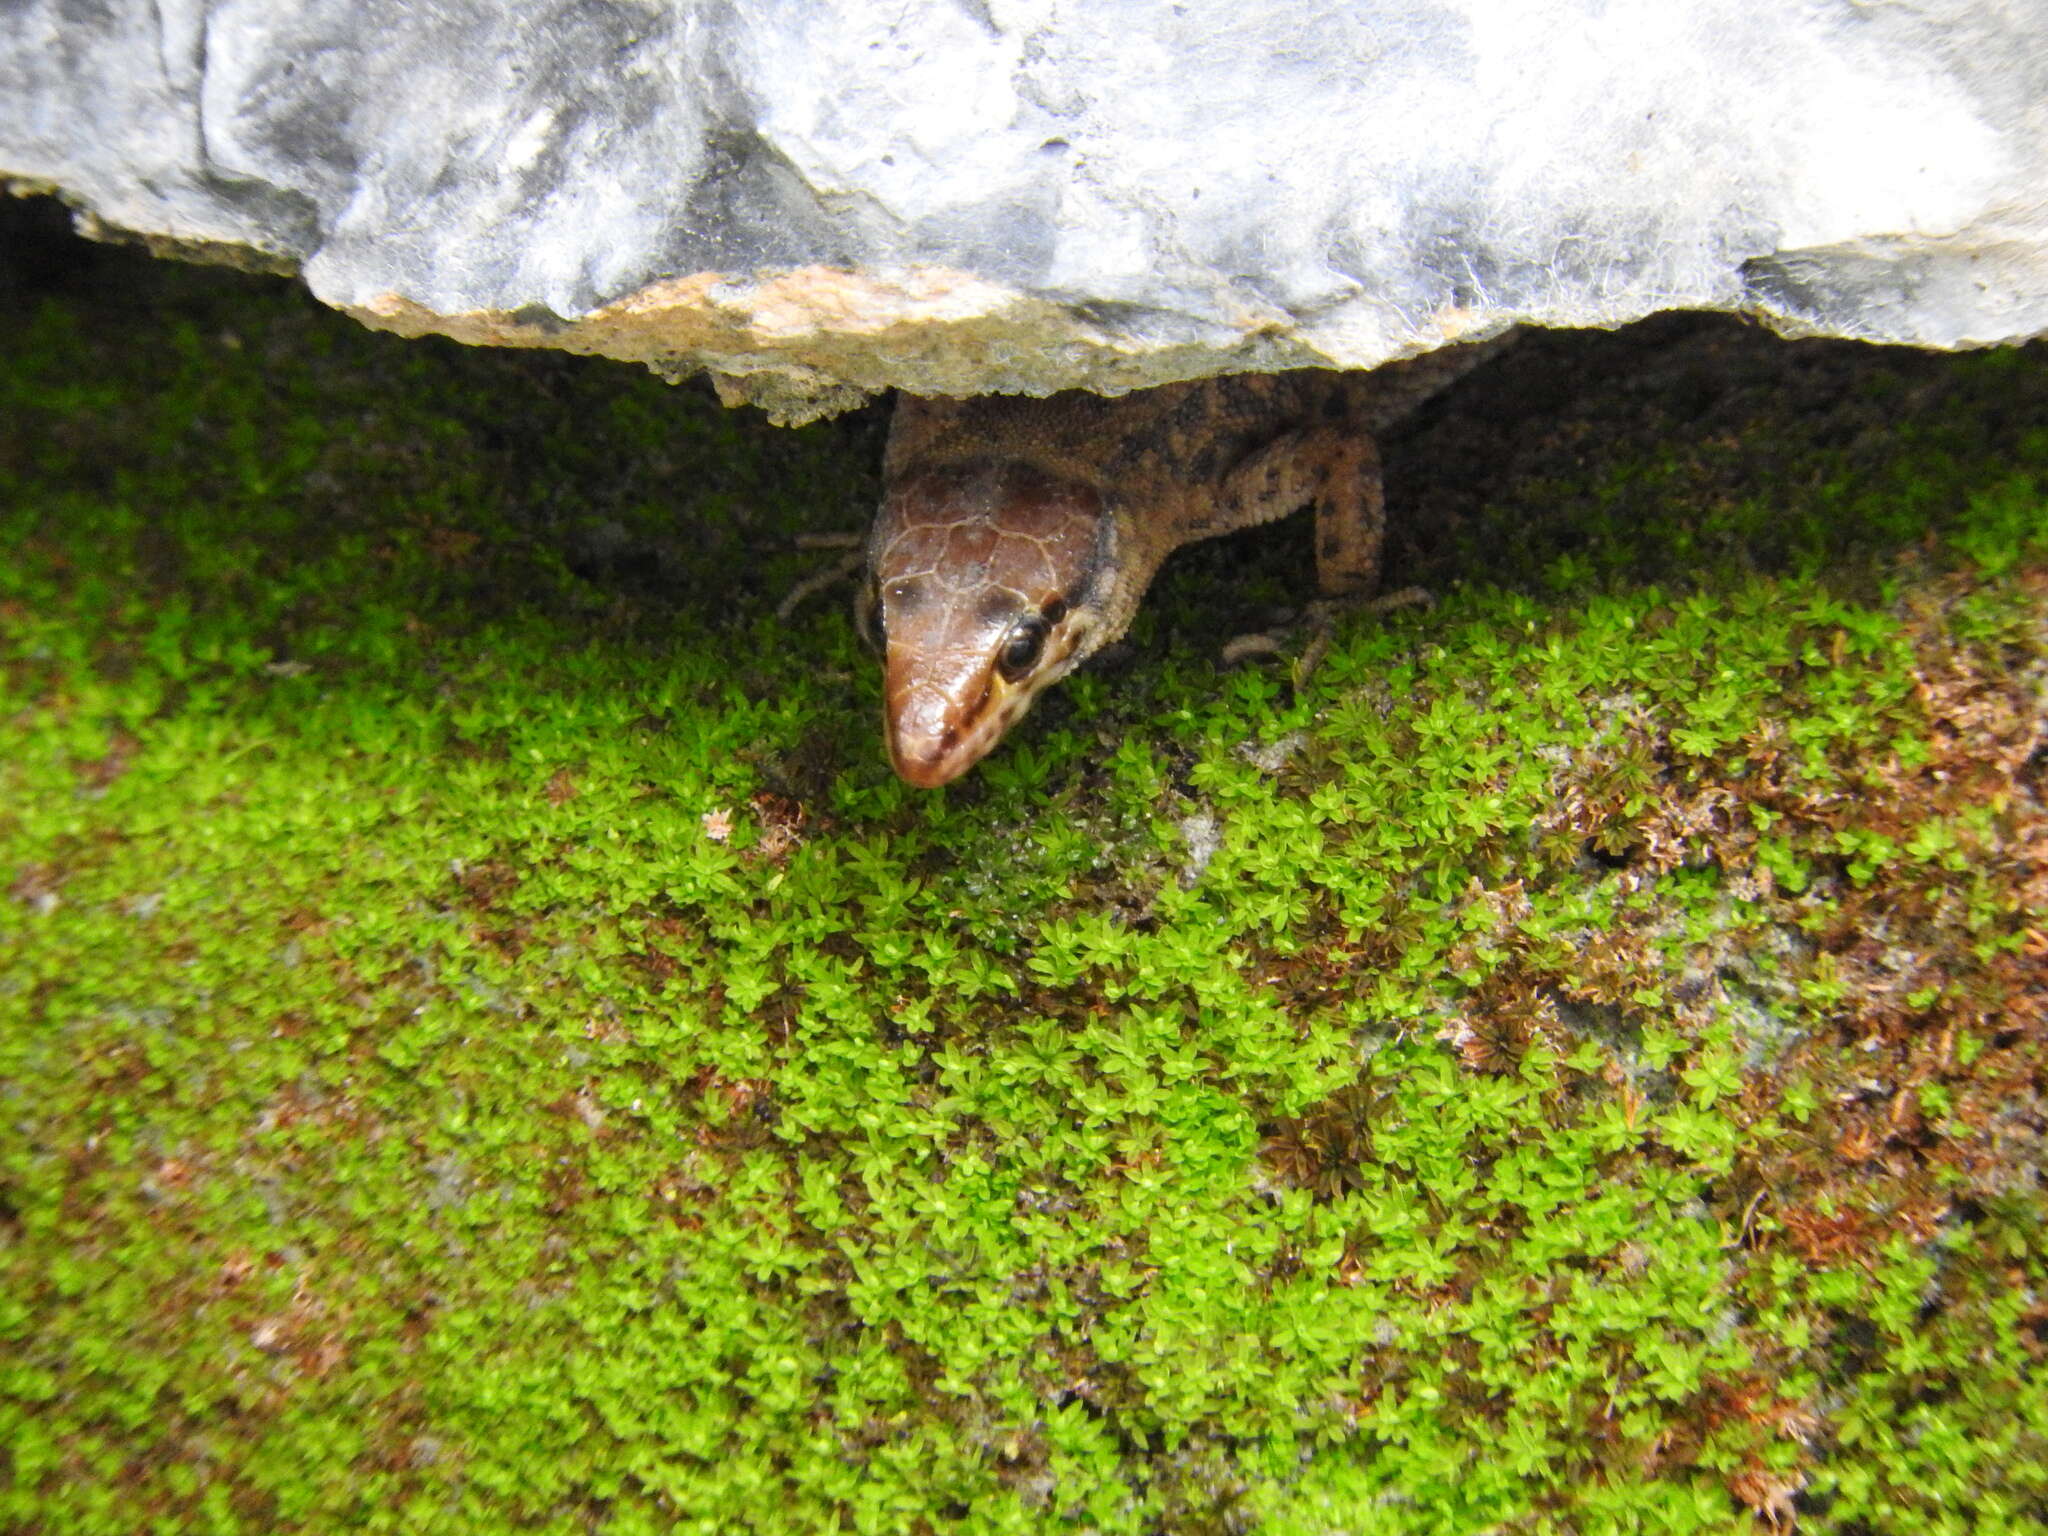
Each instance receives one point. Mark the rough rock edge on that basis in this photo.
(811, 342)
(815, 341)
(239, 256)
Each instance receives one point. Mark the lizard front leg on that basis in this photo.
(1337, 469)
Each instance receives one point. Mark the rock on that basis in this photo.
(814, 201)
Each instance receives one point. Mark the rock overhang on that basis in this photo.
(814, 203)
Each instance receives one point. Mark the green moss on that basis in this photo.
(487, 1044)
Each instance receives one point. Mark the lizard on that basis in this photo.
(1016, 536)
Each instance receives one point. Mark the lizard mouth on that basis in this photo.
(939, 722)
(931, 742)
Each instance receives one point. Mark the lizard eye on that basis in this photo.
(867, 619)
(1021, 651)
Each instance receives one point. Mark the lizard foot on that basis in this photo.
(1319, 620)
(854, 546)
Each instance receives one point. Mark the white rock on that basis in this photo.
(1026, 195)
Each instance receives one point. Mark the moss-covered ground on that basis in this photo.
(485, 1044)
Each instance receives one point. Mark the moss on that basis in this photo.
(486, 1043)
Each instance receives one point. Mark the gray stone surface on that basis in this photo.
(816, 197)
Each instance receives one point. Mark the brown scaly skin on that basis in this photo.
(1016, 536)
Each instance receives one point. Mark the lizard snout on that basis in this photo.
(935, 734)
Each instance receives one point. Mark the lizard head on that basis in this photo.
(985, 585)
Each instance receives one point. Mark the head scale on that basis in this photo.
(981, 592)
